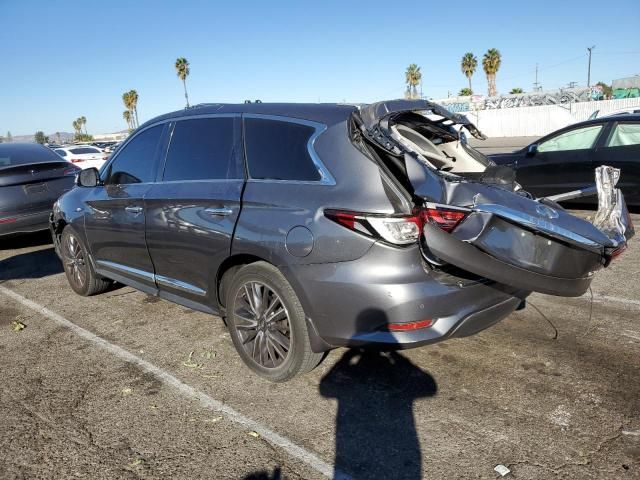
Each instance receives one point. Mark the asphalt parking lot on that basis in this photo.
(133, 387)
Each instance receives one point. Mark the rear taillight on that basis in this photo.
(71, 171)
(76, 160)
(447, 220)
(398, 230)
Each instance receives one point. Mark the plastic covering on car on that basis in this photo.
(612, 217)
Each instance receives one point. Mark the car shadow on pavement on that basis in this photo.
(25, 240)
(376, 436)
(36, 264)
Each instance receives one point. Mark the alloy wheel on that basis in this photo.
(262, 322)
(74, 261)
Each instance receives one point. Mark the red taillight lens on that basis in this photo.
(8, 220)
(76, 160)
(346, 219)
(409, 326)
(71, 171)
(398, 230)
(447, 220)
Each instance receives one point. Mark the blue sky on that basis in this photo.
(65, 59)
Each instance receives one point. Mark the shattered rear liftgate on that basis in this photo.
(506, 236)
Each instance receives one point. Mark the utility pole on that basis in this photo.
(536, 85)
(589, 69)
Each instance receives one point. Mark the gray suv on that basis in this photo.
(313, 226)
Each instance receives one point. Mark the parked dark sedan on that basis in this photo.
(315, 226)
(564, 160)
(32, 177)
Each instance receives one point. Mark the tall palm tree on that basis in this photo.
(491, 64)
(83, 121)
(128, 103)
(182, 69)
(133, 95)
(468, 66)
(76, 126)
(127, 117)
(412, 79)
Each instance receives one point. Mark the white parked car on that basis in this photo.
(83, 156)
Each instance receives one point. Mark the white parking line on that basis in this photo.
(165, 377)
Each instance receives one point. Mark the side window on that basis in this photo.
(578, 139)
(202, 149)
(135, 163)
(62, 153)
(625, 134)
(277, 150)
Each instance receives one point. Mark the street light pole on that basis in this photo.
(589, 70)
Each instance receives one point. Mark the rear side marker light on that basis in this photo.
(76, 160)
(8, 220)
(409, 326)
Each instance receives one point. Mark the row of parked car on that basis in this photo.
(313, 226)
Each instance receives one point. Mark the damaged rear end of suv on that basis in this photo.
(474, 224)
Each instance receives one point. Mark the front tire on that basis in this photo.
(267, 324)
(80, 274)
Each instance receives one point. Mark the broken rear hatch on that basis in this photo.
(474, 214)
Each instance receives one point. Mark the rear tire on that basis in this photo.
(267, 324)
(80, 274)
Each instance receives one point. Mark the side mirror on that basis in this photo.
(88, 178)
(531, 150)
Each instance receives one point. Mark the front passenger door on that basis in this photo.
(115, 216)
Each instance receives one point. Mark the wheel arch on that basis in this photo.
(225, 274)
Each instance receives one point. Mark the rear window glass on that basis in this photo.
(83, 150)
(25, 153)
(277, 150)
(62, 153)
(202, 149)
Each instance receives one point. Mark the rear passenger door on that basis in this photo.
(622, 150)
(193, 208)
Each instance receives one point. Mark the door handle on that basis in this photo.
(134, 210)
(219, 212)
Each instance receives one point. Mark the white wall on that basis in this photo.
(538, 121)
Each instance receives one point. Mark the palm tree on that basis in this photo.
(133, 95)
(491, 64)
(465, 92)
(516, 90)
(127, 117)
(182, 69)
(468, 66)
(76, 126)
(128, 103)
(83, 121)
(412, 79)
